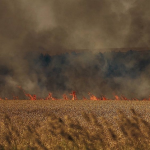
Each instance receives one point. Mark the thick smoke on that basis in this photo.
(29, 28)
(103, 74)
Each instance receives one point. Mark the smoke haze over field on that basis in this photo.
(29, 28)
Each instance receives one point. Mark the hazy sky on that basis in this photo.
(56, 25)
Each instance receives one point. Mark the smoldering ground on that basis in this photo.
(28, 29)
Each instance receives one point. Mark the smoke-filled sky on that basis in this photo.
(56, 27)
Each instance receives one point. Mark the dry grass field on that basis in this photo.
(78, 124)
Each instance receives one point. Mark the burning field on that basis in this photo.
(63, 57)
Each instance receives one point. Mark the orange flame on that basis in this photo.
(104, 98)
(124, 98)
(92, 97)
(117, 97)
(74, 97)
(84, 98)
(50, 97)
(65, 97)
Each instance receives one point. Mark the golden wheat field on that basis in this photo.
(78, 124)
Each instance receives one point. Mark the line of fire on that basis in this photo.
(73, 97)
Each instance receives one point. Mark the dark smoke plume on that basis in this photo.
(103, 74)
(29, 29)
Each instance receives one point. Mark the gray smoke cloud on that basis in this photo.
(28, 28)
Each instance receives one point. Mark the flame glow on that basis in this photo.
(74, 97)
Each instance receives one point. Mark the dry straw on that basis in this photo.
(68, 134)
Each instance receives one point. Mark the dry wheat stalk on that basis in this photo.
(66, 133)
